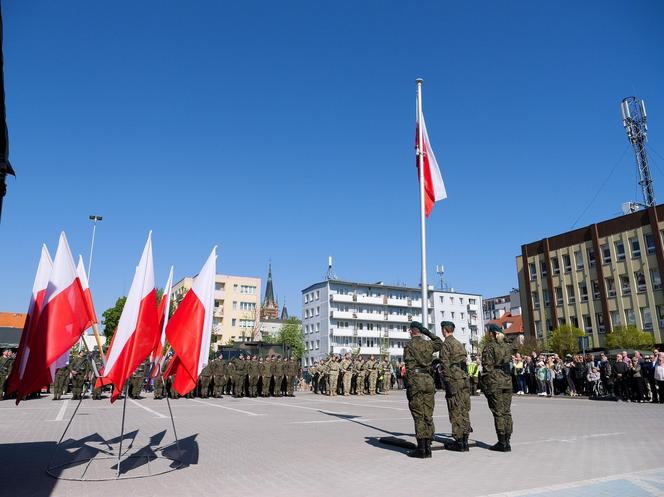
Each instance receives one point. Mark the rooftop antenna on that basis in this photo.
(330, 275)
(441, 272)
(634, 119)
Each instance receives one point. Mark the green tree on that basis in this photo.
(530, 344)
(111, 317)
(629, 337)
(290, 335)
(565, 340)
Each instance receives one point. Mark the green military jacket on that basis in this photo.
(359, 367)
(79, 365)
(278, 368)
(219, 367)
(252, 369)
(313, 370)
(230, 368)
(241, 367)
(207, 370)
(496, 358)
(370, 366)
(6, 364)
(333, 366)
(418, 354)
(292, 368)
(263, 369)
(453, 365)
(345, 365)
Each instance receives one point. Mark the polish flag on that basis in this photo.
(190, 329)
(80, 271)
(434, 188)
(61, 317)
(138, 328)
(164, 307)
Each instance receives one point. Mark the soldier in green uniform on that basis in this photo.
(79, 369)
(420, 390)
(205, 379)
(263, 369)
(314, 371)
(346, 367)
(96, 391)
(6, 362)
(497, 385)
(454, 374)
(252, 375)
(293, 369)
(219, 376)
(333, 376)
(240, 375)
(60, 382)
(372, 370)
(158, 383)
(266, 387)
(230, 373)
(360, 376)
(278, 376)
(386, 372)
(137, 380)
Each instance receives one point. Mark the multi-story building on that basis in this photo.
(596, 278)
(373, 318)
(236, 306)
(495, 307)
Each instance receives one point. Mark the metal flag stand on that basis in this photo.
(56, 470)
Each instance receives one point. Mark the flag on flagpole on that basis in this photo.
(434, 187)
(62, 318)
(164, 307)
(138, 328)
(80, 271)
(190, 329)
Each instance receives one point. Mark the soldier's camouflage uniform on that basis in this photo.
(497, 387)
(457, 391)
(79, 367)
(205, 378)
(346, 371)
(252, 376)
(219, 376)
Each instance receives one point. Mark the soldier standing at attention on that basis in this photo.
(263, 368)
(6, 362)
(313, 371)
(497, 385)
(387, 375)
(333, 376)
(420, 390)
(278, 376)
(252, 374)
(60, 382)
(361, 375)
(346, 367)
(219, 376)
(267, 377)
(79, 370)
(158, 382)
(292, 368)
(238, 378)
(457, 392)
(372, 370)
(96, 391)
(205, 379)
(230, 376)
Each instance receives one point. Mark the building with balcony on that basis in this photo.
(596, 278)
(464, 310)
(236, 306)
(373, 318)
(494, 308)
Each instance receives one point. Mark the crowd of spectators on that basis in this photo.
(628, 378)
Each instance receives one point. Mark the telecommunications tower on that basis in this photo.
(634, 120)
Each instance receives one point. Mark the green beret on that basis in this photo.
(416, 324)
(447, 324)
(494, 328)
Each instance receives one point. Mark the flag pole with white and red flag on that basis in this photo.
(164, 308)
(190, 329)
(82, 275)
(432, 189)
(138, 328)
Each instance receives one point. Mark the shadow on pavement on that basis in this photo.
(22, 469)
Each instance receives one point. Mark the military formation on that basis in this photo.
(351, 376)
(453, 374)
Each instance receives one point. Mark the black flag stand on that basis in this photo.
(5, 167)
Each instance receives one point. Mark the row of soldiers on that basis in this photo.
(244, 376)
(351, 376)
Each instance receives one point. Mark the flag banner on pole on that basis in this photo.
(61, 320)
(190, 329)
(138, 328)
(80, 271)
(164, 307)
(434, 187)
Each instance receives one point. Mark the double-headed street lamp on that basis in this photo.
(94, 218)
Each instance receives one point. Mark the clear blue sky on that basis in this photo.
(285, 130)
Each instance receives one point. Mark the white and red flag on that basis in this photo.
(434, 188)
(164, 307)
(58, 321)
(80, 271)
(190, 329)
(138, 328)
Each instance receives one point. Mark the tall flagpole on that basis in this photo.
(423, 234)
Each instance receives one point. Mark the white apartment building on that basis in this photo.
(343, 316)
(497, 307)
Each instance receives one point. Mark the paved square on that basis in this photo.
(317, 446)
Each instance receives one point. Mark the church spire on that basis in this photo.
(269, 309)
(284, 312)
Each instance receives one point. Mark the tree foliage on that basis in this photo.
(290, 335)
(530, 344)
(629, 337)
(565, 340)
(111, 318)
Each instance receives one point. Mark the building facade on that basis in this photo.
(343, 316)
(596, 278)
(236, 306)
(496, 307)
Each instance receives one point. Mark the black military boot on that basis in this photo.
(420, 452)
(427, 448)
(456, 446)
(464, 441)
(501, 446)
(507, 442)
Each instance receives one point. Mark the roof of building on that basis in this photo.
(12, 320)
(284, 313)
(269, 290)
(9, 337)
(511, 324)
(380, 284)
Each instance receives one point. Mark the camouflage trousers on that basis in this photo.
(373, 378)
(205, 386)
(60, 384)
(499, 404)
(253, 386)
(289, 384)
(333, 380)
(158, 387)
(238, 383)
(77, 387)
(421, 401)
(346, 381)
(3, 381)
(387, 382)
(458, 407)
(265, 385)
(219, 384)
(359, 384)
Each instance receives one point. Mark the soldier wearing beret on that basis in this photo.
(454, 374)
(421, 389)
(497, 385)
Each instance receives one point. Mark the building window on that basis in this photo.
(600, 322)
(317, 344)
(591, 257)
(451, 300)
(549, 326)
(624, 285)
(218, 286)
(317, 310)
(606, 254)
(660, 315)
(656, 279)
(615, 319)
(578, 259)
(650, 244)
(620, 251)
(561, 322)
(583, 291)
(636, 247)
(596, 293)
(248, 289)
(630, 318)
(646, 318)
(472, 301)
(545, 293)
(567, 262)
(559, 295)
(317, 294)
(247, 306)
(535, 302)
(587, 323)
(532, 271)
(610, 287)
(555, 264)
(233, 322)
(575, 321)
(640, 281)
(571, 298)
(442, 314)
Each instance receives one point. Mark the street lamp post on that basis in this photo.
(94, 218)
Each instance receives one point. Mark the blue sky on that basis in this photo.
(285, 131)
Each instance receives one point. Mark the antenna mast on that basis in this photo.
(634, 120)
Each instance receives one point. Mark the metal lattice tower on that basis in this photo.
(634, 120)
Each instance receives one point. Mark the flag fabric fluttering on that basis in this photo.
(164, 307)
(190, 329)
(434, 187)
(61, 320)
(138, 328)
(80, 271)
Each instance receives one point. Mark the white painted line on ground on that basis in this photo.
(248, 413)
(360, 420)
(317, 409)
(339, 401)
(157, 414)
(61, 412)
